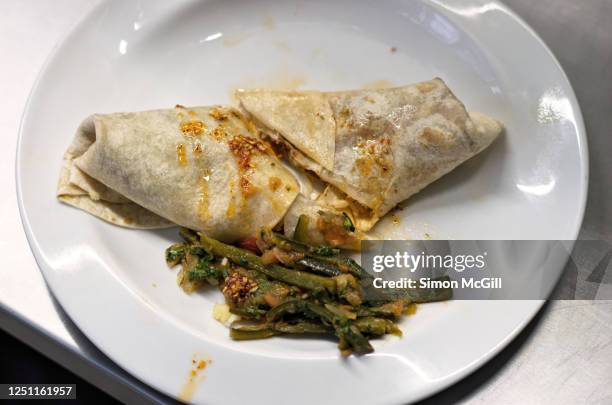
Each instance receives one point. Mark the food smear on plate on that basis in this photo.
(292, 288)
(378, 84)
(194, 378)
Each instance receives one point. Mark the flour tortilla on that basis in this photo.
(388, 144)
(125, 168)
(305, 119)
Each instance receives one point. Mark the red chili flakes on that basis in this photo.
(237, 287)
(243, 147)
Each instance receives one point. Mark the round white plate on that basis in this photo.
(128, 56)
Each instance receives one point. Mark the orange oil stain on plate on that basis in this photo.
(235, 39)
(269, 23)
(194, 378)
(282, 46)
(278, 80)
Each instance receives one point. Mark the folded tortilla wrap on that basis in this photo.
(378, 147)
(203, 168)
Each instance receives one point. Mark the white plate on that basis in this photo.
(138, 55)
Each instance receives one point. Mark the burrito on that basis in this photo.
(375, 147)
(204, 168)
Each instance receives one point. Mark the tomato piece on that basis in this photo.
(250, 244)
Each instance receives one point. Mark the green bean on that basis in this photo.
(189, 235)
(346, 331)
(242, 334)
(359, 344)
(349, 335)
(248, 312)
(265, 330)
(319, 267)
(287, 307)
(313, 295)
(377, 326)
(250, 260)
(341, 310)
(345, 264)
(301, 327)
(290, 244)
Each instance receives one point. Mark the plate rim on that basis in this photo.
(450, 381)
